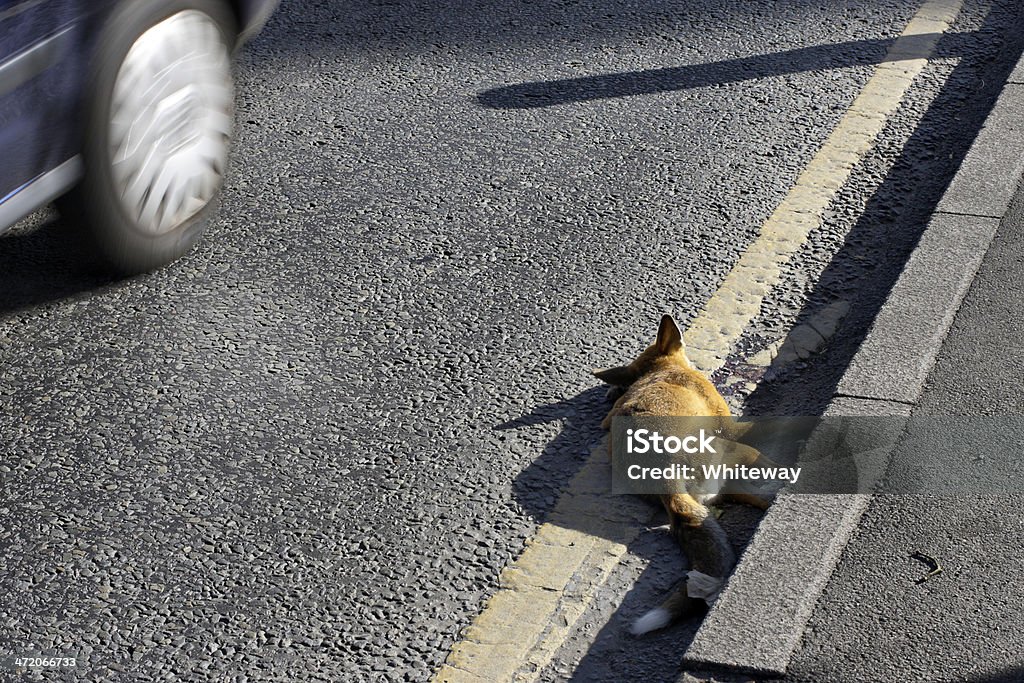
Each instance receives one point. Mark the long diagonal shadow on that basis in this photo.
(864, 270)
(670, 79)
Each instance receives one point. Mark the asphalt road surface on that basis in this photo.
(306, 451)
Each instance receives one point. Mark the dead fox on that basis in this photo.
(661, 382)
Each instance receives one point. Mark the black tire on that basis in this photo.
(122, 236)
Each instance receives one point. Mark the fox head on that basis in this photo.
(667, 349)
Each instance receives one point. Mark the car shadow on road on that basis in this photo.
(862, 272)
(43, 259)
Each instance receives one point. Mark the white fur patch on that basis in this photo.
(652, 621)
(702, 586)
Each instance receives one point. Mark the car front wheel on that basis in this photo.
(159, 113)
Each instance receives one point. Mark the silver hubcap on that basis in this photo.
(170, 123)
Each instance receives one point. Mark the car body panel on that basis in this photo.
(35, 97)
(45, 49)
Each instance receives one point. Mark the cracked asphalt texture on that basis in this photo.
(305, 451)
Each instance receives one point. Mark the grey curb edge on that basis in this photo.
(758, 621)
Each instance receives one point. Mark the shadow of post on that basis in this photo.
(1008, 675)
(677, 78)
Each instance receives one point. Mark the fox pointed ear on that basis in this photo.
(670, 338)
(621, 376)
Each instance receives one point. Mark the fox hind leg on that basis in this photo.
(759, 495)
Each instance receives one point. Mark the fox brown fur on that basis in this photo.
(661, 382)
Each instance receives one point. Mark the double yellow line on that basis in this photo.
(545, 591)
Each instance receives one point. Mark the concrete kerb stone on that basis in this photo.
(987, 178)
(758, 621)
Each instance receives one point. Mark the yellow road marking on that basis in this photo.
(550, 585)
(739, 298)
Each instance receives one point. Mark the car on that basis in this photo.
(122, 111)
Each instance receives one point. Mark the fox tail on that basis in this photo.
(712, 560)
